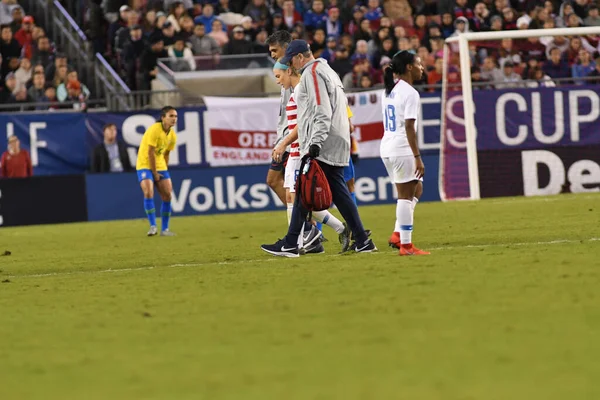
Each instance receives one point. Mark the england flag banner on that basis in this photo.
(243, 131)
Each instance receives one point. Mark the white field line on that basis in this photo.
(267, 259)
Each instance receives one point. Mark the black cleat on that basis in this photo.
(344, 238)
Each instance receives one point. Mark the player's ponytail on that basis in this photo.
(388, 79)
(401, 60)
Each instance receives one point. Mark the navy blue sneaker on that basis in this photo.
(281, 249)
(367, 247)
(316, 248)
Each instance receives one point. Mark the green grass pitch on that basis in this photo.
(506, 307)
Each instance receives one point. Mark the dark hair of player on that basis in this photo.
(398, 66)
(165, 110)
(281, 38)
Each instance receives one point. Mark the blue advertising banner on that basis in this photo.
(229, 190)
(534, 118)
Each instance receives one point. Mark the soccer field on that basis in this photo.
(506, 307)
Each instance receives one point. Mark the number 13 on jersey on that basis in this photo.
(390, 118)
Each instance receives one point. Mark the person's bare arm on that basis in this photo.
(411, 135)
(152, 162)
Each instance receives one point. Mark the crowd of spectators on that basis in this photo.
(31, 69)
(356, 37)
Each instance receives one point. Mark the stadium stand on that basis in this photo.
(357, 37)
(35, 74)
(338, 30)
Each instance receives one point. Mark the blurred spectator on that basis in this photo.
(15, 162)
(149, 23)
(202, 44)
(37, 69)
(60, 75)
(76, 96)
(342, 64)
(447, 25)
(6, 7)
(51, 69)
(218, 33)
(357, 16)
(361, 51)
(260, 46)
(540, 19)
(489, 71)
(496, 23)
(537, 78)
(387, 50)
(258, 11)
(206, 18)
(224, 7)
(508, 52)
(480, 20)
(329, 52)
(318, 43)
(9, 48)
(51, 99)
(61, 90)
(534, 49)
(556, 67)
(187, 4)
(316, 17)
(364, 31)
(595, 74)
(176, 11)
(434, 77)
(111, 155)
(37, 92)
(510, 19)
(114, 27)
(583, 66)
(365, 82)
(290, 16)
(509, 78)
(360, 67)
(187, 27)
(333, 25)
(24, 34)
(149, 60)
(131, 56)
(593, 17)
(180, 56)
(276, 24)
(17, 18)
(238, 43)
(123, 34)
(41, 53)
(249, 31)
(168, 34)
(10, 87)
(374, 12)
(23, 73)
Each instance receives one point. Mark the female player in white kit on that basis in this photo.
(287, 77)
(399, 150)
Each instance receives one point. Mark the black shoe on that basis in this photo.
(367, 247)
(316, 248)
(344, 238)
(281, 249)
(367, 231)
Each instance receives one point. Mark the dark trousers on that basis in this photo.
(342, 200)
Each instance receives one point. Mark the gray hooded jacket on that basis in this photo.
(322, 113)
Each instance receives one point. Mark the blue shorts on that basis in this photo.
(147, 174)
(349, 171)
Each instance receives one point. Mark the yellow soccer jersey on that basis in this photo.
(155, 136)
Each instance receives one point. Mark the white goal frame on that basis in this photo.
(467, 90)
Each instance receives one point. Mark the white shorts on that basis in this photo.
(291, 173)
(401, 169)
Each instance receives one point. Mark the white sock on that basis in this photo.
(414, 203)
(404, 214)
(301, 238)
(328, 219)
(290, 208)
(397, 224)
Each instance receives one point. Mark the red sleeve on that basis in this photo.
(3, 165)
(29, 166)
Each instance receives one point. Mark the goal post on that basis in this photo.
(459, 161)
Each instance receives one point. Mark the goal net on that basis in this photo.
(520, 113)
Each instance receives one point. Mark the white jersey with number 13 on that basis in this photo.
(401, 104)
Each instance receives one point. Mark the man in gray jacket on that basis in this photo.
(323, 134)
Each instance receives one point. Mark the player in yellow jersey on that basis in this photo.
(152, 160)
